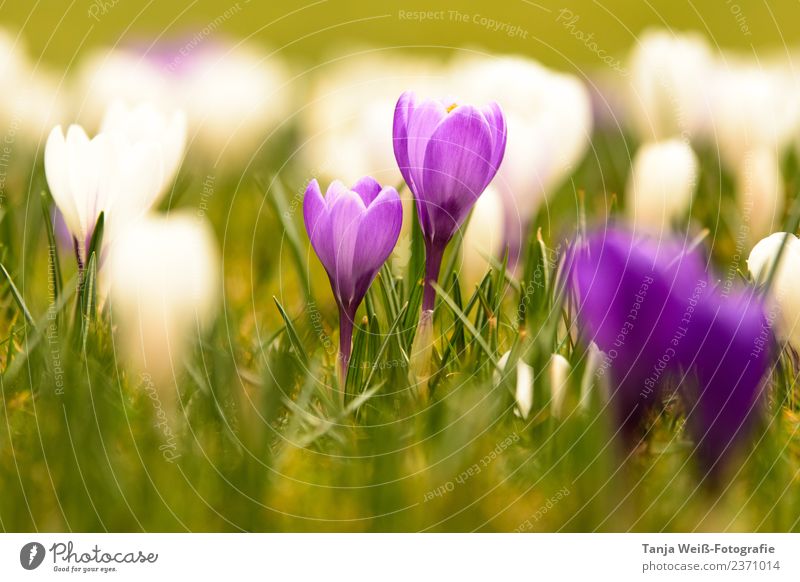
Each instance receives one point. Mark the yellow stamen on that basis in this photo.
(453, 106)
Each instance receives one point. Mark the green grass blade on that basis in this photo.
(18, 297)
(294, 338)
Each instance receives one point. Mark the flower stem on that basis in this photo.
(433, 264)
(345, 345)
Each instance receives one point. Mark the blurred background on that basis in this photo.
(57, 30)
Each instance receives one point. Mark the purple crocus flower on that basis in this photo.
(448, 153)
(353, 231)
(655, 312)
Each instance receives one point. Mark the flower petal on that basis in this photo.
(494, 117)
(402, 111)
(368, 188)
(377, 236)
(346, 216)
(57, 172)
(317, 219)
(457, 169)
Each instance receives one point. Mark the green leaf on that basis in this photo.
(18, 297)
(53, 264)
(275, 194)
(292, 333)
(467, 324)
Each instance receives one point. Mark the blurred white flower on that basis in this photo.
(30, 102)
(347, 126)
(108, 76)
(163, 274)
(559, 374)
(524, 388)
(233, 94)
(662, 181)
(145, 123)
(783, 296)
(668, 76)
(104, 174)
(483, 237)
(549, 120)
(752, 108)
(760, 192)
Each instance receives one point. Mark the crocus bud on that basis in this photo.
(353, 232)
(523, 393)
(483, 238)
(784, 300)
(760, 194)
(145, 123)
(668, 74)
(105, 174)
(661, 184)
(163, 274)
(448, 153)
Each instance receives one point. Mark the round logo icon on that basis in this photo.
(31, 555)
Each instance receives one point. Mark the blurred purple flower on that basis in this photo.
(448, 153)
(353, 232)
(655, 312)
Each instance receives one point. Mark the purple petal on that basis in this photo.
(730, 370)
(496, 120)
(368, 188)
(346, 215)
(402, 111)
(377, 237)
(423, 121)
(335, 191)
(457, 169)
(316, 216)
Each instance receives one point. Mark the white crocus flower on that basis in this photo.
(760, 192)
(103, 174)
(784, 300)
(163, 275)
(666, 91)
(145, 123)
(483, 238)
(753, 107)
(661, 184)
(549, 120)
(233, 94)
(523, 393)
